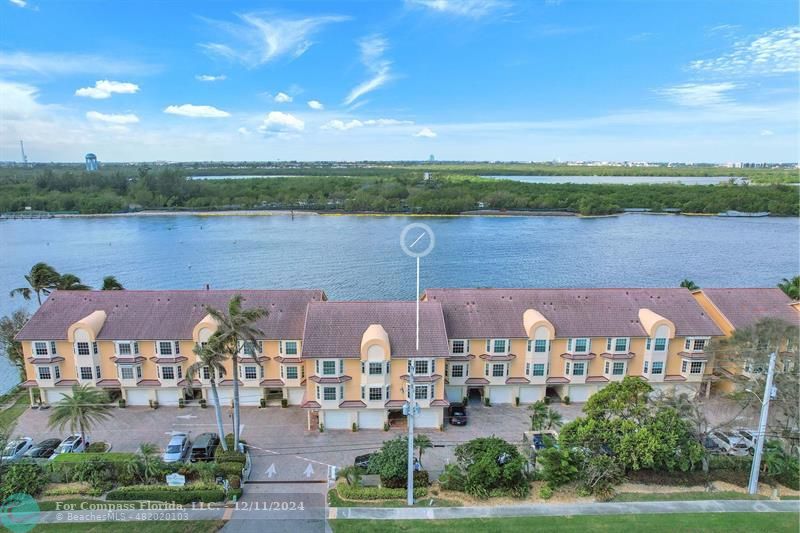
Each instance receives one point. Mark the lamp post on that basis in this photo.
(752, 488)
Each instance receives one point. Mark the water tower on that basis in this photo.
(91, 162)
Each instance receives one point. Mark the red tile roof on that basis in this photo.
(108, 383)
(45, 360)
(477, 381)
(148, 383)
(440, 403)
(351, 404)
(29, 384)
(330, 379)
(607, 355)
(498, 357)
(487, 313)
(596, 379)
(169, 314)
(745, 307)
(557, 380)
(517, 380)
(432, 378)
(272, 383)
(334, 329)
(395, 403)
(311, 404)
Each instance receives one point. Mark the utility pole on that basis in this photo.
(752, 488)
(411, 408)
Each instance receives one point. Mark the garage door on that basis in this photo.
(56, 395)
(225, 396)
(249, 396)
(454, 394)
(499, 395)
(580, 393)
(337, 420)
(372, 419)
(296, 395)
(530, 394)
(428, 418)
(167, 397)
(138, 397)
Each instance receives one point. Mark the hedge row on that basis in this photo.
(182, 495)
(111, 457)
(350, 492)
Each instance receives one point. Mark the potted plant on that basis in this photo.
(122, 403)
(203, 403)
(181, 403)
(355, 427)
(284, 402)
(262, 403)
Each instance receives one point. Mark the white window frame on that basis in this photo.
(174, 347)
(491, 346)
(581, 365)
(123, 368)
(375, 365)
(285, 347)
(296, 372)
(85, 345)
(574, 344)
(417, 372)
(81, 373)
(696, 364)
(690, 344)
(380, 394)
(163, 376)
(329, 362)
(684, 366)
(503, 370)
(657, 368)
(325, 391)
(460, 370)
(48, 370)
(133, 346)
(666, 344)
(612, 344)
(420, 392)
(646, 367)
(614, 367)
(464, 346)
(37, 352)
(534, 367)
(252, 368)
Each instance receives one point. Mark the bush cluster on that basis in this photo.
(350, 492)
(205, 493)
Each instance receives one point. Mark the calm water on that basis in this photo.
(618, 180)
(353, 257)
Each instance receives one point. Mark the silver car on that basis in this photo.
(730, 443)
(177, 448)
(750, 436)
(15, 449)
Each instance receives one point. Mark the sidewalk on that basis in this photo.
(444, 513)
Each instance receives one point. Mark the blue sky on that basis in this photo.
(522, 80)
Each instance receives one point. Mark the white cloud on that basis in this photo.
(261, 38)
(282, 98)
(767, 133)
(699, 94)
(57, 63)
(128, 118)
(196, 111)
(20, 101)
(105, 88)
(210, 77)
(464, 8)
(372, 50)
(387, 122)
(774, 52)
(19, 3)
(425, 132)
(277, 122)
(341, 125)
(316, 105)
(243, 131)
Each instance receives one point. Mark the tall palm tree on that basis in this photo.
(553, 419)
(212, 355)
(41, 280)
(86, 407)
(689, 284)
(791, 287)
(149, 463)
(422, 443)
(110, 283)
(538, 415)
(234, 328)
(70, 282)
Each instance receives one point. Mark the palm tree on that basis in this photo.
(9, 327)
(41, 280)
(70, 282)
(212, 356)
(84, 408)
(791, 287)
(110, 283)
(422, 442)
(538, 415)
(553, 419)
(689, 284)
(149, 463)
(234, 328)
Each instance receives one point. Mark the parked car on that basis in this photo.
(177, 448)
(15, 449)
(730, 443)
(43, 449)
(457, 414)
(204, 447)
(72, 444)
(362, 461)
(749, 436)
(711, 445)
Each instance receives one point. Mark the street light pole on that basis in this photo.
(410, 406)
(752, 488)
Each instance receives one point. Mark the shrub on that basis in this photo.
(154, 404)
(227, 470)
(465, 400)
(545, 492)
(376, 493)
(492, 464)
(386, 426)
(122, 403)
(97, 447)
(566, 400)
(235, 481)
(516, 401)
(29, 478)
(452, 478)
(558, 466)
(421, 479)
(487, 402)
(181, 403)
(183, 495)
(355, 427)
(262, 403)
(284, 402)
(235, 494)
(322, 428)
(72, 489)
(203, 403)
(547, 400)
(96, 472)
(350, 473)
(790, 476)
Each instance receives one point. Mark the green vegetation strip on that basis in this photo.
(8, 417)
(334, 500)
(723, 522)
(683, 496)
(175, 526)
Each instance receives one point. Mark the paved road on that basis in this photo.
(280, 508)
(548, 509)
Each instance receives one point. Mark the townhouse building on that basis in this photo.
(139, 345)
(740, 308)
(509, 344)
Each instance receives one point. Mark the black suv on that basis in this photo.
(457, 414)
(204, 447)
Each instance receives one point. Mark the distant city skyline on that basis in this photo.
(505, 80)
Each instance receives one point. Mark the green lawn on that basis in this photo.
(9, 416)
(335, 501)
(683, 496)
(723, 522)
(176, 526)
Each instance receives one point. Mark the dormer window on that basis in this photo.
(421, 366)
(695, 345)
(127, 348)
(579, 345)
(538, 346)
(617, 344)
(459, 346)
(44, 348)
(497, 345)
(168, 348)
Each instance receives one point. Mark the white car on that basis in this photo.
(15, 449)
(177, 448)
(72, 444)
(730, 443)
(750, 436)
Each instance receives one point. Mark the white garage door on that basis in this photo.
(337, 420)
(56, 395)
(296, 395)
(428, 418)
(138, 397)
(372, 419)
(530, 394)
(499, 395)
(454, 394)
(167, 397)
(249, 396)
(580, 393)
(225, 396)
